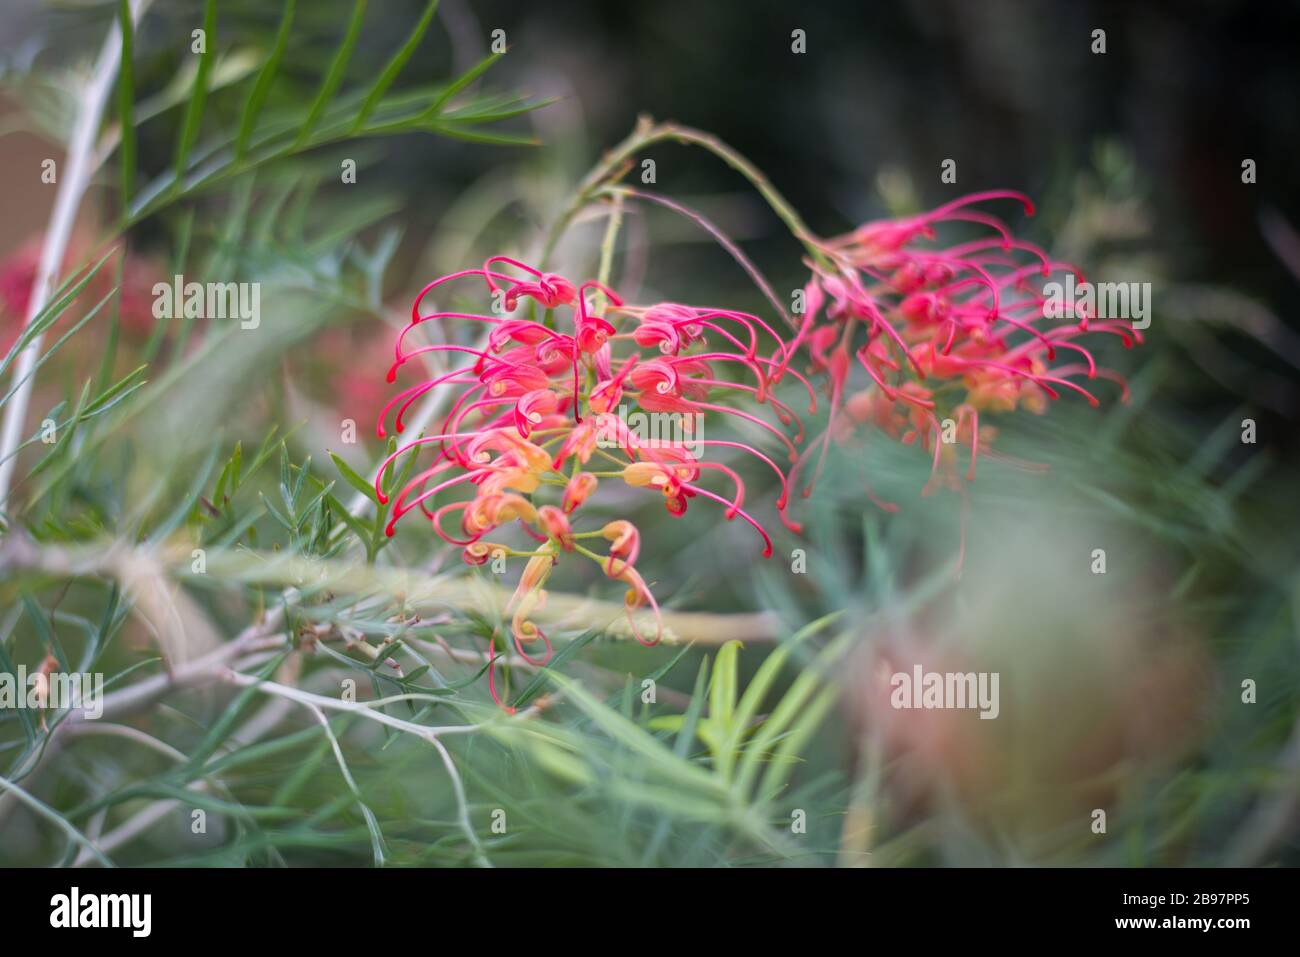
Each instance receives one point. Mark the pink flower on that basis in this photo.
(940, 332)
(534, 412)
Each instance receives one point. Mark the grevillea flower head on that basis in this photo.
(531, 429)
(940, 333)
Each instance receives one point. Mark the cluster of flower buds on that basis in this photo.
(942, 334)
(533, 428)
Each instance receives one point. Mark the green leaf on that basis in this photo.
(109, 356)
(758, 688)
(723, 687)
(490, 139)
(235, 460)
(262, 85)
(115, 612)
(395, 66)
(786, 713)
(691, 720)
(229, 477)
(285, 495)
(222, 727)
(266, 449)
(47, 812)
(114, 393)
(55, 348)
(199, 95)
(126, 102)
(36, 614)
(24, 715)
(280, 138)
(285, 521)
(783, 761)
(458, 84)
(65, 432)
(564, 654)
(64, 297)
(673, 769)
(353, 478)
(334, 77)
(667, 722)
(355, 525)
(187, 501)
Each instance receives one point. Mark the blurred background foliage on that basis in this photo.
(1120, 691)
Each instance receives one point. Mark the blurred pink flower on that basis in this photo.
(18, 276)
(941, 332)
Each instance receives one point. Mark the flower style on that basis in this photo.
(941, 333)
(536, 409)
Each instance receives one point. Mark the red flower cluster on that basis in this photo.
(942, 334)
(537, 408)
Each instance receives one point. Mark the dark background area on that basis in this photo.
(1009, 88)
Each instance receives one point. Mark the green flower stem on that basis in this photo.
(646, 133)
(607, 250)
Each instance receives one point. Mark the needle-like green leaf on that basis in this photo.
(262, 85)
(334, 77)
(126, 103)
(395, 65)
(199, 95)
